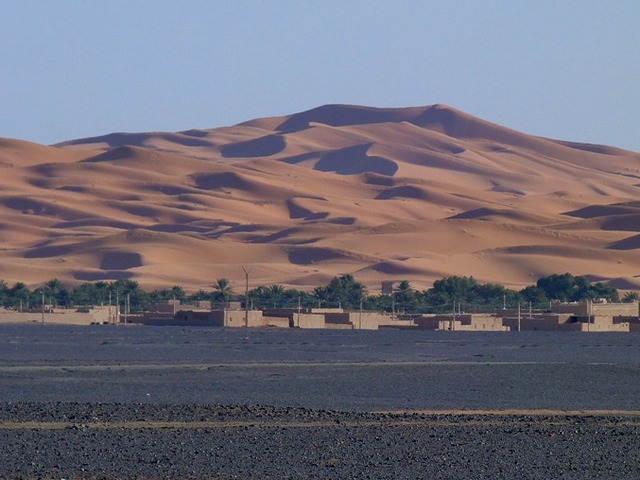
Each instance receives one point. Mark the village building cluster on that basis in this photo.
(571, 317)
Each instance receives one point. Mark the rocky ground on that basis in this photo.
(188, 403)
(144, 441)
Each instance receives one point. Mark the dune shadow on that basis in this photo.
(623, 223)
(50, 251)
(630, 243)
(405, 191)
(178, 228)
(273, 237)
(311, 255)
(371, 178)
(118, 153)
(354, 160)
(475, 214)
(342, 220)
(26, 205)
(297, 211)
(194, 133)
(259, 147)
(594, 211)
(295, 159)
(95, 222)
(104, 275)
(170, 190)
(120, 260)
(395, 268)
(340, 115)
(214, 181)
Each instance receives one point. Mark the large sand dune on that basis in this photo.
(385, 194)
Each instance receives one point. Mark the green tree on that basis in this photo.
(223, 293)
(534, 295)
(56, 293)
(129, 289)
(21, 295)
(405, 298)
(567, 288)
(447, 291)
(343, 291)
(558, 286)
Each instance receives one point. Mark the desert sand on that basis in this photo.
(412, 194)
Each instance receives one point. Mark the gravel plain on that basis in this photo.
(144, 403)
(143, 441)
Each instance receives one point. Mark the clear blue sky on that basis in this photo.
(564, 69)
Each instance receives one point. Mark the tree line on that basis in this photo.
(458, 293)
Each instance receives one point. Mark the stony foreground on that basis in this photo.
(144, 441)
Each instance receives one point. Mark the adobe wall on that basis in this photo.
(601, 327)
(485, 323)
(308, 320)
(598, 309)
(184, 317)
(236, 318)
(337, 319)
(427, 322)
(62, 316)
(277, 322)
(549, 322)
(369, 320)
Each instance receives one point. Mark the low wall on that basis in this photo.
(60, 316)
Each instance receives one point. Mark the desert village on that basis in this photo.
(568, 317)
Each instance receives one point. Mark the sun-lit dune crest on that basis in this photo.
(414, 193)
(503, 215)
(16, 153)
(342, 115)
(147, 160)
(124, 139)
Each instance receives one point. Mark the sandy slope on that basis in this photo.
(386, 194)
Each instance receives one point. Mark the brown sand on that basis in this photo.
(385, 194)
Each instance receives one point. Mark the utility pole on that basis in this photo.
(126, 308)
(43, 306)
(518, 316)
(247, 271)
(453, 317)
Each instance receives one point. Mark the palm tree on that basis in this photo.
(404, 296)
(223, 291)
(275, 293)
(52, 288)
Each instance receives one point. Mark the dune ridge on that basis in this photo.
(414, 194)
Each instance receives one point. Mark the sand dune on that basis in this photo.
(385, 194)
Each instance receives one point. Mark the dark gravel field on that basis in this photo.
(140, 402)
